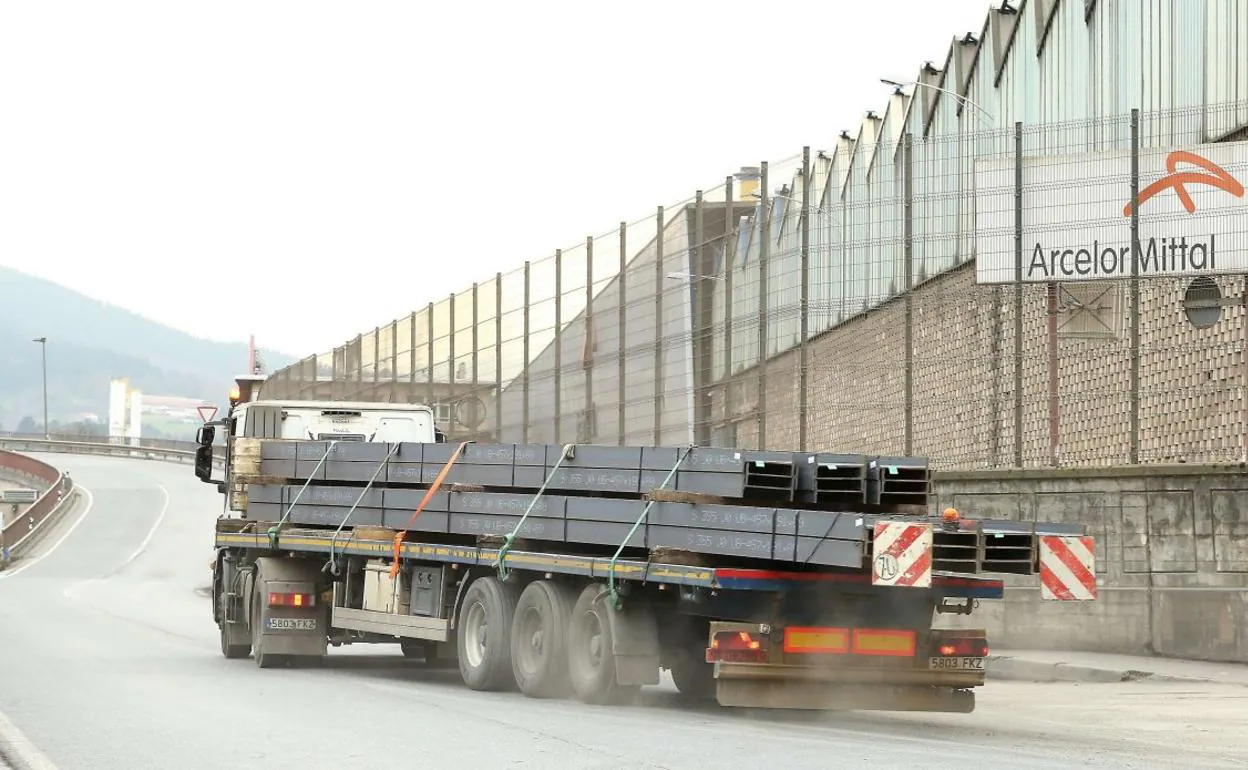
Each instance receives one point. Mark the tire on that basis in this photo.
(231, 648)
(694, 678)
(484, 635)
(539, 640)
(591, 662)
(427, 652)
(263, 659)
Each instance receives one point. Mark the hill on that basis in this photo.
(90, 343)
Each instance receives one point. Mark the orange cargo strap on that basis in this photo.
(433, 490)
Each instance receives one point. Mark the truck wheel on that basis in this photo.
(591, 660)
(693, 677)
(539, 640)
(235, 642)
(484, 638)
(263, 659)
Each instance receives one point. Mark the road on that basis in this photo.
(111, 660)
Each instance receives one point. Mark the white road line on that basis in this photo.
(25, 565)
(147, 540)
(17, 749)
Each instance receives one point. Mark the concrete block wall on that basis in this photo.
(1171, 558)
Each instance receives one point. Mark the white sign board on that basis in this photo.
(1077, 215)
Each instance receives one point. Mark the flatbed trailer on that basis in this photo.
(553, 615)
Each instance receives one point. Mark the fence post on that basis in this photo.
(450, 363)
(590, 416)
(907, 261)
(429, 361)
(621, 341)
(1018, 294)
(803, 351)
(477, 416)
(764, 253)
(697, 327)
(498, 357)
(658, 328)
(1135, 287)
(729, 252)
(527, 378)
(558, 381)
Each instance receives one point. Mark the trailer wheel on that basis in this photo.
(263, 659)
(484, 638)
(539, 640)
(591, 659)
(693, 677)
(231, 646)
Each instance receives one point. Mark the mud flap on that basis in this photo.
(635, 643)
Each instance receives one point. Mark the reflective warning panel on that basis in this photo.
(902, 555)
(1067, 568)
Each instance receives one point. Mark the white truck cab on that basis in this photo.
(335, 421)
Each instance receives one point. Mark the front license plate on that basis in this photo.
(957, 664)
(292, 624)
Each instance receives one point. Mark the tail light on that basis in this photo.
(291, 600)
(962, 648)
(735, 647)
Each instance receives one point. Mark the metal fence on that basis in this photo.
(855, 270)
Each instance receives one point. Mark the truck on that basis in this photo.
(765, 579)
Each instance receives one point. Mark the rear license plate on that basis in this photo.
(291, 624)
(957, 664)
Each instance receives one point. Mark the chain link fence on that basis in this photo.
(880, 278)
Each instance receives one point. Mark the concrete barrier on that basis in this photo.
(1171, 558)
(56, 488)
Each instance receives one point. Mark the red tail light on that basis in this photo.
(291, 600)
(963, 648)
(735, 647)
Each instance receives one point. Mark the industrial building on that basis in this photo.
(880, 275)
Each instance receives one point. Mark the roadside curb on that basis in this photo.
(1007, 667)
(19, 751)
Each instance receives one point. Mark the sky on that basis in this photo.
(305, 171)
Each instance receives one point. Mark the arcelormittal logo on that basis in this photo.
(1217, 177)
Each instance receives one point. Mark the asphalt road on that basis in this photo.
(110, 660)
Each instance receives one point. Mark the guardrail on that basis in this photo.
(57, 491)
(169, 451)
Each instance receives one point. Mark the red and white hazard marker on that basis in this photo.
(902, 555)
(1067, 568)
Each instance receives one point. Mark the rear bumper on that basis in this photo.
(810, 695)
(829, 675)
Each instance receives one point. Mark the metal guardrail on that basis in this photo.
(59, 487)
(57, 491)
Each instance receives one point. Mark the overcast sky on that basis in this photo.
(314, 169)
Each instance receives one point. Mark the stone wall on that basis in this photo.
(1171, 558)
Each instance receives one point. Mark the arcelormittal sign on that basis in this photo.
(1077, 211)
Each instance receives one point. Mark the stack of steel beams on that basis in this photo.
(808, 508)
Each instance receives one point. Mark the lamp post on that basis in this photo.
(43, 345)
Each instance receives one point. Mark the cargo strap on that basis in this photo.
(273, 530)
(433, 490)
(381, 466)
(612, 592)
(568, 453)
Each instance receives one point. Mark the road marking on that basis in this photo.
(1067, 569)
(902, 555)
(147, 540)
(18, 749)
(25, 565)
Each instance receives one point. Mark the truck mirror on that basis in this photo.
(205, 435)
(203, 463)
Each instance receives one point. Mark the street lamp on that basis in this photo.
(961, 99)
(43, 345)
